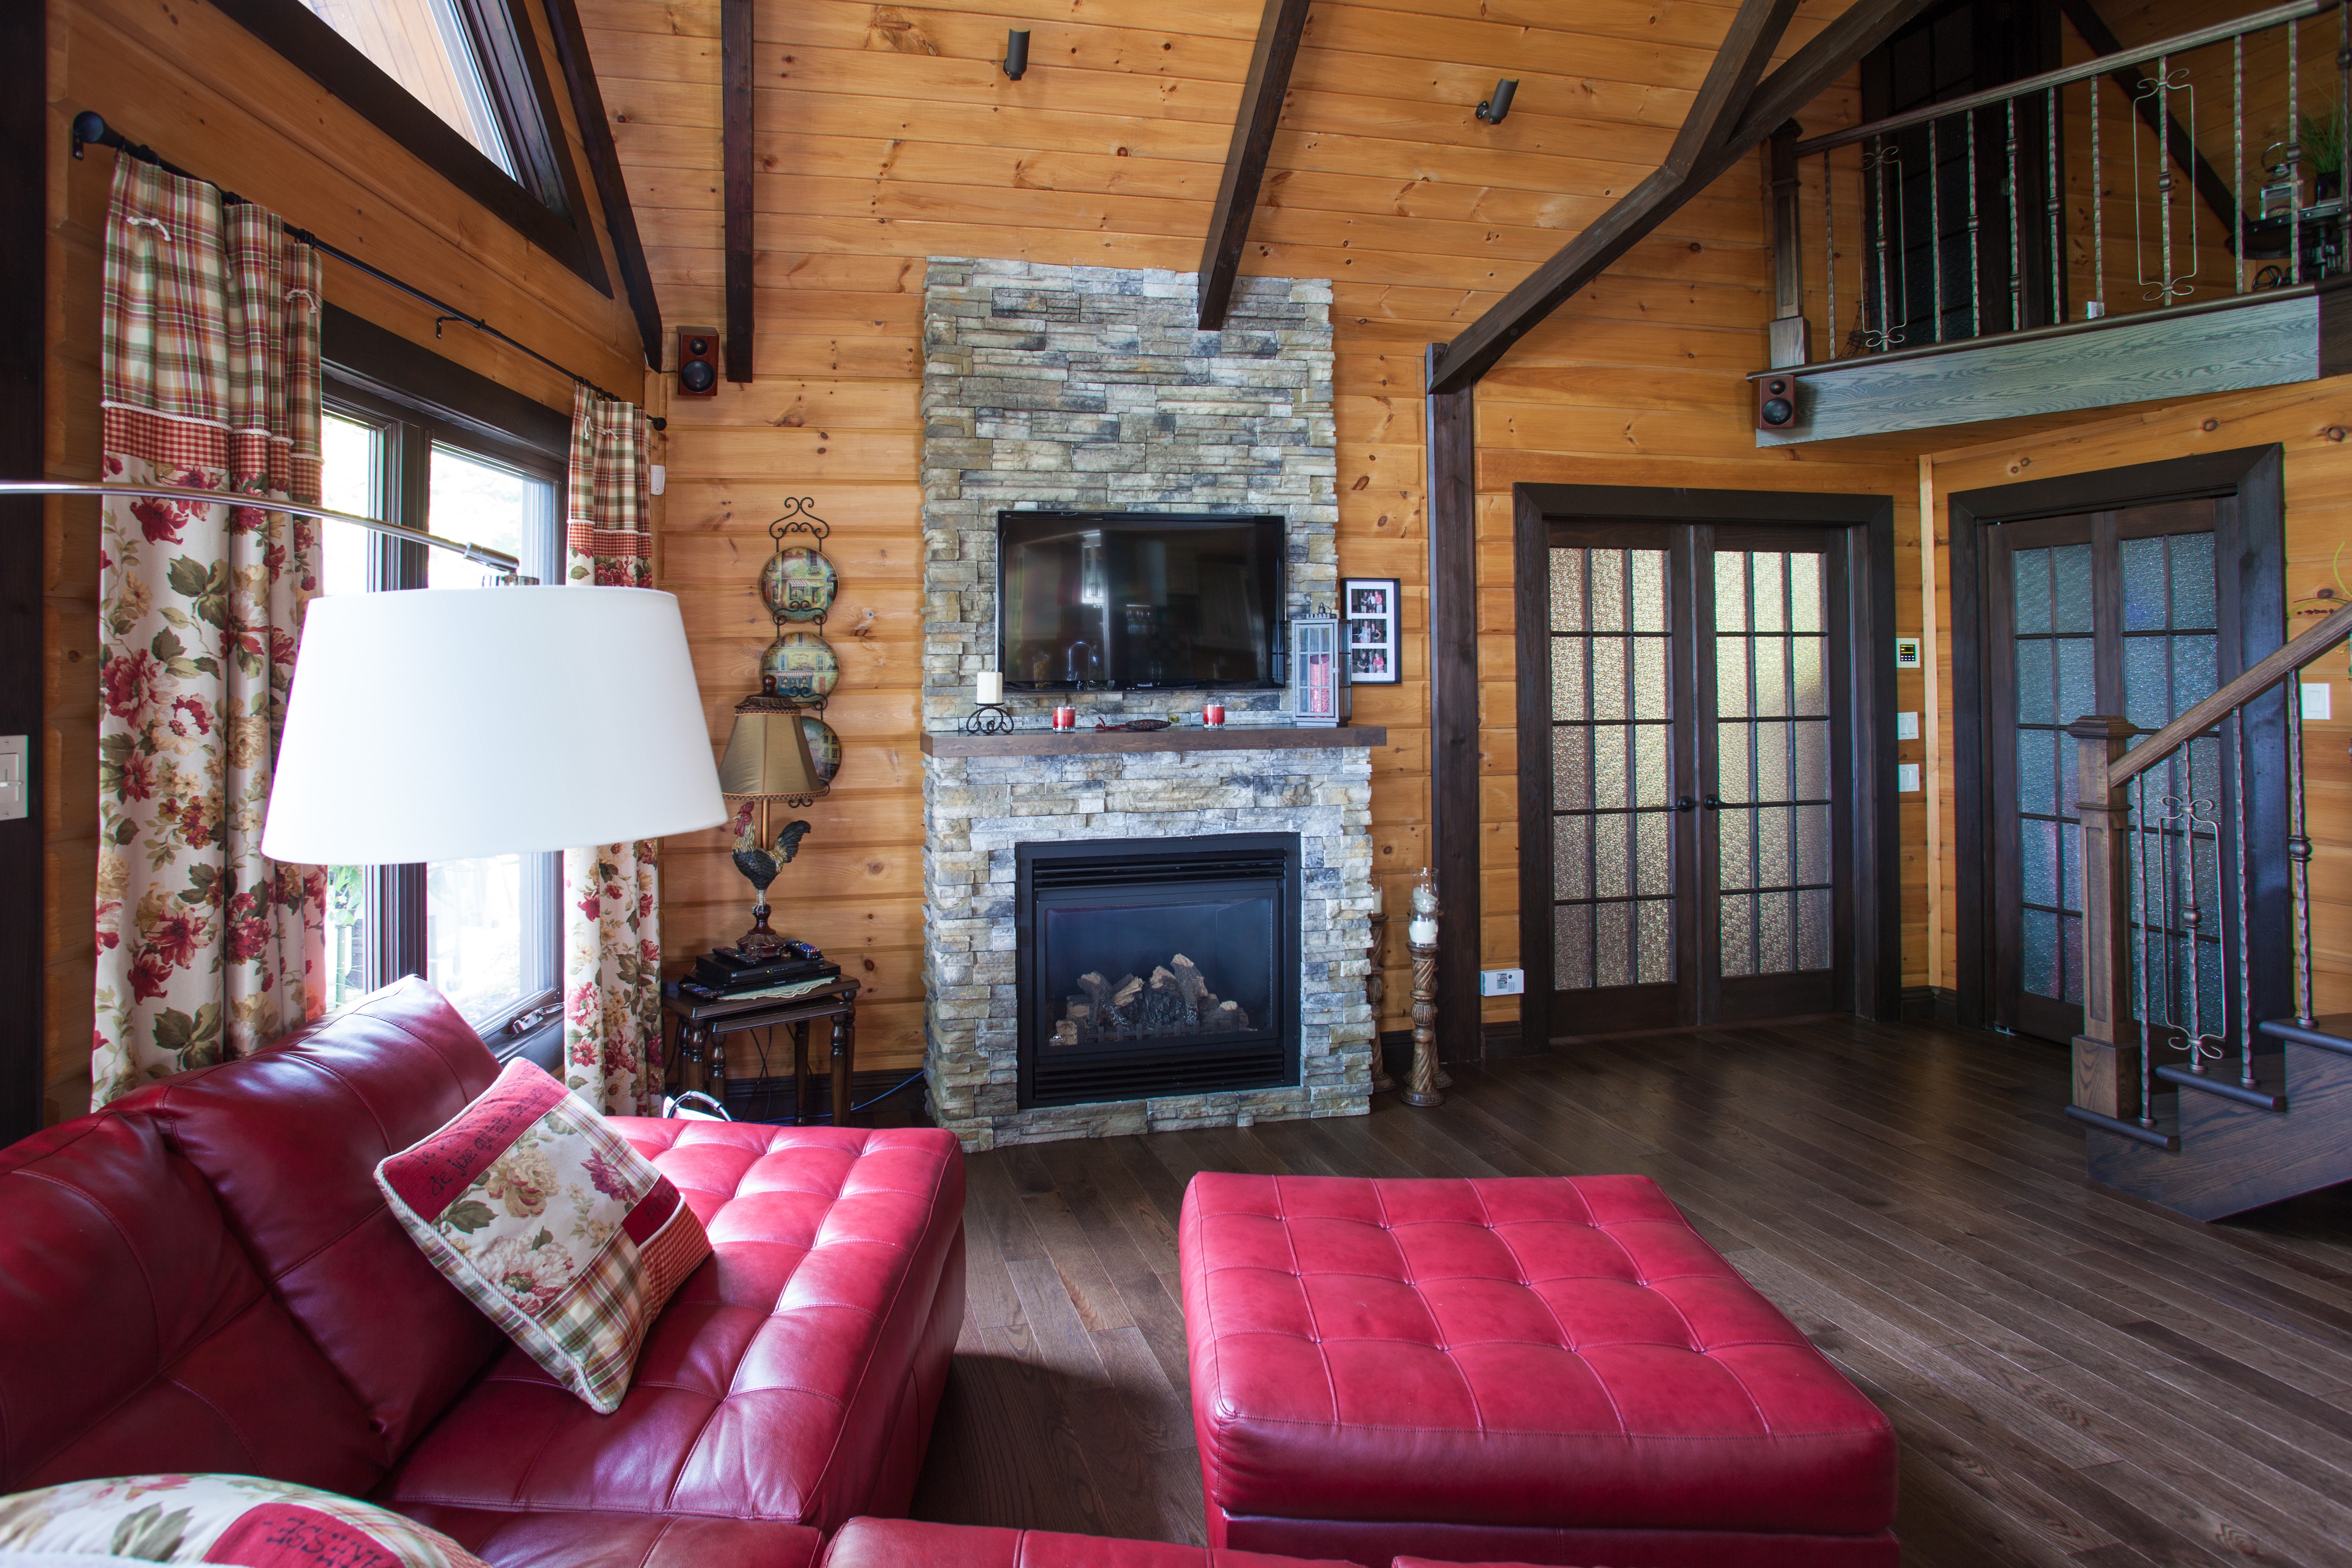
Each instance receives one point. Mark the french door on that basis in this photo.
(1700, 705)
(2109, 612)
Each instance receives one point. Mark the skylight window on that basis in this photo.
(425, 46)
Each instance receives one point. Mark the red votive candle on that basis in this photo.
(1213, 715)
(1065, 718)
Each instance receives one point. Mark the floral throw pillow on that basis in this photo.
(243, 1520)
(531, 1202)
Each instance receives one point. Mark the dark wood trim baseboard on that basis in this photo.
(24, 362)
(320, 53)
(2255, 477)
(1874, 827)
(1453, 749)
(1930, 1004)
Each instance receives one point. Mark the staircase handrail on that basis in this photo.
(2273, 668)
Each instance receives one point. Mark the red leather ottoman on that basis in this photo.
(904, 1543)
(1547, 1371)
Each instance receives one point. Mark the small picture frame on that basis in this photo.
(1368, 611)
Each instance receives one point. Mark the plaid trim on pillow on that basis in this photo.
(244, 1519)
(550, 1222)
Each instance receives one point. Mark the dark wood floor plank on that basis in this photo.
(2077, 1377)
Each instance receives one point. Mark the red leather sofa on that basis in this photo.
(202, 1276)
(1534, 1370)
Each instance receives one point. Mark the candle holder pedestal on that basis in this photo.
(988, 718)
(1424, 1089)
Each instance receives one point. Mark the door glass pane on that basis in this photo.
(2051, 603)
(1772, 772)
(1612, 775)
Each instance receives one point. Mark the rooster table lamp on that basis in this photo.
(767, 761)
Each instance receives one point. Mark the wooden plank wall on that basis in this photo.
(886, 133)
(207, 95)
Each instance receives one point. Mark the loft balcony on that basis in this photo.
(2160, 222)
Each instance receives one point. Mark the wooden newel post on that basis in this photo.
(2107, 1056)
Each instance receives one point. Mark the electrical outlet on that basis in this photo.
(14, 749)
(1501, 982)
(1906, 777)
(657, 477)
(1906, 726)
(2318, 700)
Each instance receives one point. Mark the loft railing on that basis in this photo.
(2170, 932)
(2118, 185)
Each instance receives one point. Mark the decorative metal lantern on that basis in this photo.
(1318, 674)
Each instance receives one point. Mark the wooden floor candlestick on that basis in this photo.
(1424, 1090)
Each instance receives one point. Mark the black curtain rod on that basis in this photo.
(89, 127)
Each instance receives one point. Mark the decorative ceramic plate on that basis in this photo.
(801, 666)
(798, 583)
(825, 747)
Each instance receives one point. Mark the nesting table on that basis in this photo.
(698, 1033)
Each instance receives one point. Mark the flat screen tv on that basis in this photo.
(1136, 601)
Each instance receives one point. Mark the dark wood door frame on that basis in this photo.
(2252, 536)
(1867, 776)
(23, 306)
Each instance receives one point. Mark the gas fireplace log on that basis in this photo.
(1097, 991)
(1187, 975)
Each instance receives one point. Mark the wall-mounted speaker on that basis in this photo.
(697, 368)
(1775, 402)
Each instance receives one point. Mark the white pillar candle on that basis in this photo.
(991, 686)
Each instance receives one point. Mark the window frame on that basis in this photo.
(415, 400)
(547, 204)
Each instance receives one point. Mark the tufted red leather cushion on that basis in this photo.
(621, 1539)
(1528, 1353)
(784, 1369)
(289, 1140)
(904, 1543)
(135, 1335)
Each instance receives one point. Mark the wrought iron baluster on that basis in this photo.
(2293, 161)
(2238, 857)
(2164, 187)
(1976, 259)
(2016, 269)
(1935, 227)
(1829, 244)
(1875, 160)
(2298, 857)
(2097, 305)
(2238, 156)
(2050, 192)
(2140, 874)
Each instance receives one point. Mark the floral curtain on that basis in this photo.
(211, 382)
(612, 935)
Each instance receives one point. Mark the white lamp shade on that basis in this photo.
(442, 724)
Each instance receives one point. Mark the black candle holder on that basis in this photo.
(988, 719)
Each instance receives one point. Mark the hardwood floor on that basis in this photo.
(2076, 1376)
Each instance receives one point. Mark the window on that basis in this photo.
(424, 45)
(486, 932)
(459, 83)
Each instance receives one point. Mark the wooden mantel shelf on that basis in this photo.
(1181, 738)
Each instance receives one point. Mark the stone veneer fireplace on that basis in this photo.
(1091, 389)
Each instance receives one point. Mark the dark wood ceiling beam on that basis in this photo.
(1806, 74)
(735, 135)
(1278, 33)
(1731, 81)
(605, 167)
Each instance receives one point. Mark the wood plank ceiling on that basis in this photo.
(888, 134)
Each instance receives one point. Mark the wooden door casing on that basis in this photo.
(1859, 532)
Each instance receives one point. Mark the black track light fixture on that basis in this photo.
(1495, 108)
(1016, 52)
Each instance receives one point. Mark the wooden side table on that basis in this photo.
(698, 1032)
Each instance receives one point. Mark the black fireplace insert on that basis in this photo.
(1157, 966)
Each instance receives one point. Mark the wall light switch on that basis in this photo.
(1501, 982)
(1906, 726)
(14, 750)
(1907, 653)
(1906, 777)
(2318, 698)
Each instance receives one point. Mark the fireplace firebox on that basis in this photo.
(1157, 966)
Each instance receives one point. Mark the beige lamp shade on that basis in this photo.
(767, 755)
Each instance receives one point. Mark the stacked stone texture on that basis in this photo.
(979, 808)
(1091, 388)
